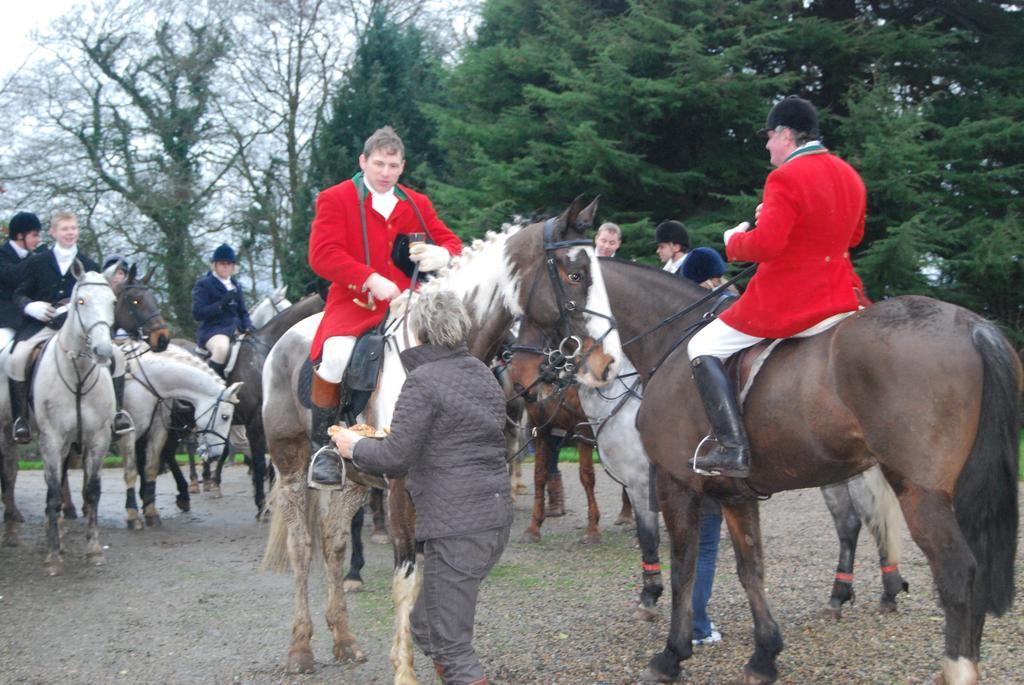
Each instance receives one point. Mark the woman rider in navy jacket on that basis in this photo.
(218, 307)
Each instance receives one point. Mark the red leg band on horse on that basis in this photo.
(651, 568)
(844, 577)
(890, 569)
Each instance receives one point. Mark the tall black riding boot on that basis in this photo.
(325, 467)
(731, 456)
(122, 420)
(219, 368)
(21, 431)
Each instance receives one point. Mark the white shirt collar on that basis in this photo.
(19, 250)
(226, 281)
(673, 264)
(65, 256)
(382, 203)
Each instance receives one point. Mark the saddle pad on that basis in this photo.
(232, 357)
(751, 360)
(305, 388)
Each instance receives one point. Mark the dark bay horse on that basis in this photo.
(926, 389)
(545, 272)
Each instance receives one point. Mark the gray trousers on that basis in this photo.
(442, 619)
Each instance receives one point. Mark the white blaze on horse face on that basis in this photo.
(92, 311)
(600, 327)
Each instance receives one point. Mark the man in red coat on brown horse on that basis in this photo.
(359, 242)
(812, 213)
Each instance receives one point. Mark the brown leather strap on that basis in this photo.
(325, 394)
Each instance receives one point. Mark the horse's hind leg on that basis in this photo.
(878, 508)
(540, 475)
(168, 456)
(258, 452)
(67, 504)
(847, 523)
(353, 579)
(647, 534)
(744, 523)
(151, 457)
(587, 480)
(53, 462)
(933, 525)
(406, 583)
(335, 525)
(291, 506)
(193, 476)
(379, 512)
(8, 477)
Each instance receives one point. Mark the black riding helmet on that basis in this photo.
(795, 113)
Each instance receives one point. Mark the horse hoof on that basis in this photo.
(184, 505)
(346, 653)
(646, 614)
(193, 488)
(530, 536)
(215, 492)
(352, 585)
(301, 661)
(96, 558)
(651, 676)
(591, 538)
(835, 613)
(379, 539)
(70, 513)
(53, 567)
(154, 522)
(751, 678)
(135, 524)
(624, 520)
(887, 607)
(17, 517)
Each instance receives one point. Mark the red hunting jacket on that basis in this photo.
(814, 208)
(336, 252)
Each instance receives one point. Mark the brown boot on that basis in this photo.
(556, 496)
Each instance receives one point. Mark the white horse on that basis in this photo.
(542, 272)
(72, 408)
(270, 306)
(157, 380)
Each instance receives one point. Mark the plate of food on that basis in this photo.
(363, 429)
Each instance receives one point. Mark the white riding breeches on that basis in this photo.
(18, 361)
(6, 336)
(219, 347)
(335, 356)
(719, 339)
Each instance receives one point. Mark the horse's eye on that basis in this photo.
(135, 302)
(575, 277)
(81, 300)
(223, 417)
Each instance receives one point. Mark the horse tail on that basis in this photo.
(986, 490)
(877, 504)
(287, 500)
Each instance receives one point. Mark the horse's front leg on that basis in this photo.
(744, 521)
(291, 506)
(92, 464)
(67, 504)
(193, 475)
(53, 459)
(336, 510)
(8, 477)
(647, 534)
(587, 480)
(258, 452)
(408, 577)
(131, 473)
(680, 506)
(542, 452)
(168, 457)
(151, 461)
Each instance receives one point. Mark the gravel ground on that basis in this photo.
(184, 603)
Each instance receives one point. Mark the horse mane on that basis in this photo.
(473, 251)
(176, 354)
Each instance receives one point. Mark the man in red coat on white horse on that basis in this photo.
(812, 213)
(359, 242)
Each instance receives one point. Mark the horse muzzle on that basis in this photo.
(103, 352)
(159, 338)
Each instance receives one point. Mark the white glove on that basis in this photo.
(429, 257)
(43, 311)
(739, 228)
(381, 288)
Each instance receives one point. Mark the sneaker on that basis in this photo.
(714, 637)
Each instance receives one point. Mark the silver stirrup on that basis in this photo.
(310, 483)
(699, 471)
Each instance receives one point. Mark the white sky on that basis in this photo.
(21, 18)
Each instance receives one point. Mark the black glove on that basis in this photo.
(227, 300)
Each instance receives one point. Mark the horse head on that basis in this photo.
(87, 329)
(136, 310)
(563, 293)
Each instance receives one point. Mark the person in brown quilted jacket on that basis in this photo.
(447, 436)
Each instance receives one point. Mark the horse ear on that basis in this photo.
(585, 219)
(280, 293)
(566, 220)
(77, 270)
(132, 272)
(149, 275)
(231, 393)
(109, 272)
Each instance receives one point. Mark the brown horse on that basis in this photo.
(926, 389)
(544, 272)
